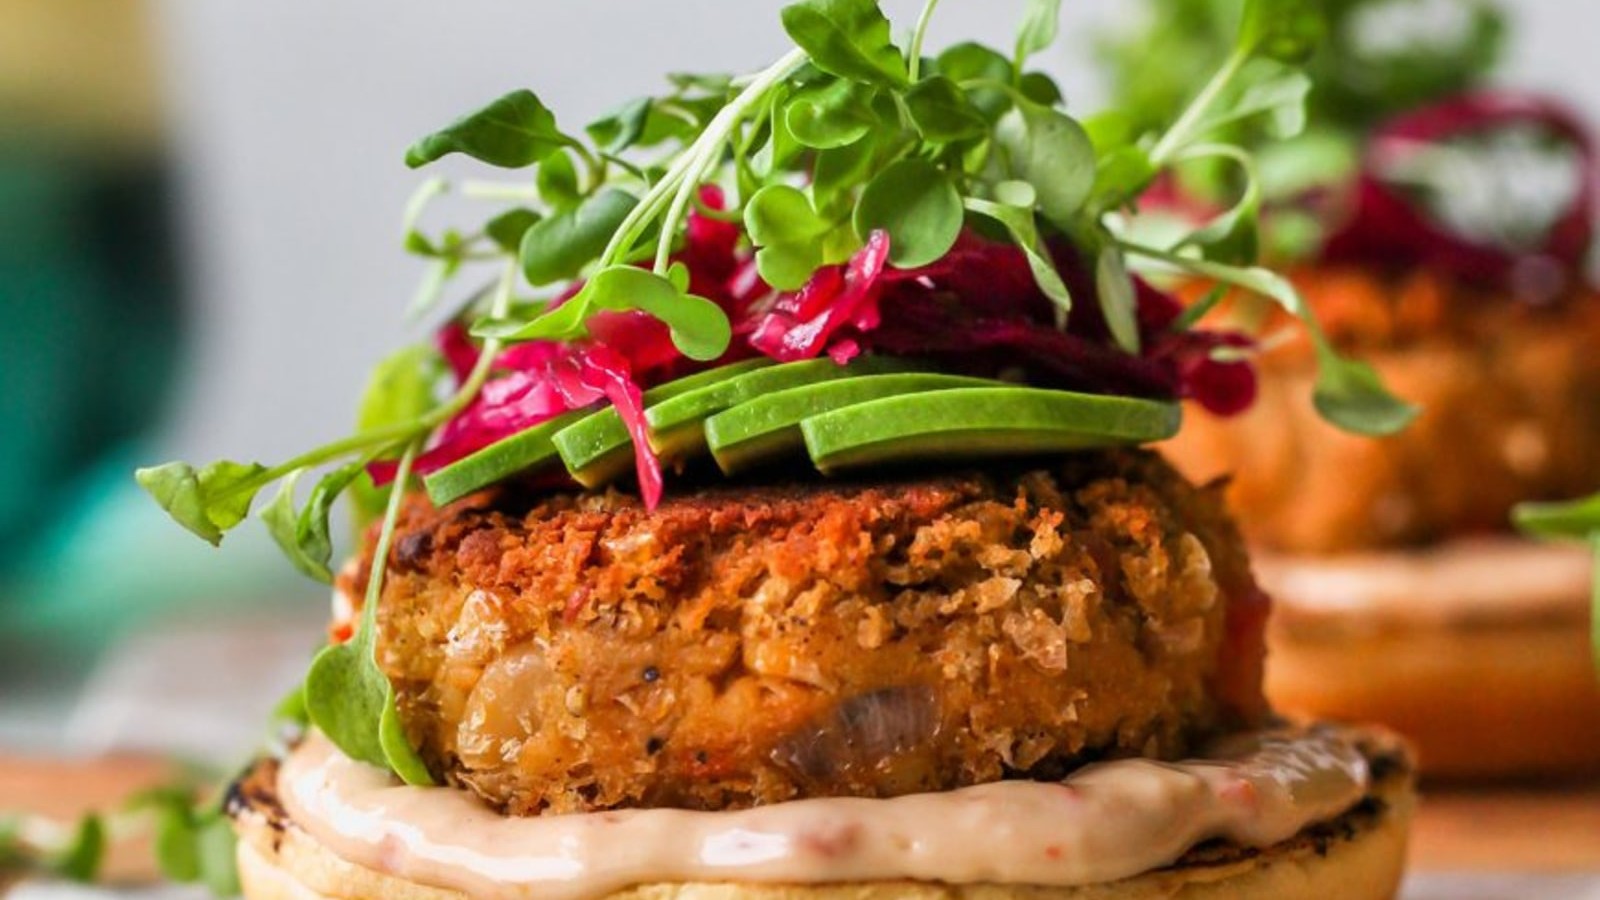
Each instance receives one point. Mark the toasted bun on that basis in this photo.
(1514, 699)
(1359, 856)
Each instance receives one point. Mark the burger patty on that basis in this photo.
(745, 645)
(1507, 394)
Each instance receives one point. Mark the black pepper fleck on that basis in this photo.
(651, 673)
(654, 745)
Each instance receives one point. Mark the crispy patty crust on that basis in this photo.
(752, 644)
(1507, 392)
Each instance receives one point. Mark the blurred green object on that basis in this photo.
(1380, 57)
(91, 343)
(89, 290)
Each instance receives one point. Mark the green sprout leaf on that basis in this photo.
(847, 38)
(699, 328)
(508, 228)
(942, 113)
(1231, 235)
(1348, 393)
(621, 128)
(1284, 30)
(788, 233)
(193, 842)
(1019, 221)
(834, 116)
(1038, 29)
(557, 180)
(402, 388)
(347, 696)
(208, 502)
(918, 206)
(514, 131)
(304, 537)
(986, 70)
(1569, 519)
(1118, 300)
(80, 859)
(558, 248)
(1049, 150)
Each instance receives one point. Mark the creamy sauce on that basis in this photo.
(1107, 821)
(1463, 581)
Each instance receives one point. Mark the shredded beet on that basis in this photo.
(976, 310)
(799, 325)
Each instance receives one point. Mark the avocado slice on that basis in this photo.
(525, 451)
(985, 421)
(677, 425)
(766, 427)
(597, 448)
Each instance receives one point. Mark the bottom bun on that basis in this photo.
(1478, 652)
(1358, 856)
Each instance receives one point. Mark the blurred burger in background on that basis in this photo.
(1439, 226)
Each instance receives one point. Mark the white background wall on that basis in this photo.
(292, 116)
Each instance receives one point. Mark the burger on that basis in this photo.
(1397, 574)
(776, 523)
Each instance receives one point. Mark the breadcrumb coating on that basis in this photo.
(750, 644)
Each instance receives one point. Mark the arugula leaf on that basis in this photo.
(920, 208)
(514, 131)
(847, 38)
(788, 233)
(1049, 150)
(557, 248)
(942, 113)
(1038, 30)
(1017, 218)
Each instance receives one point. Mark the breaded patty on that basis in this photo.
(748, 644)
(1509, 413)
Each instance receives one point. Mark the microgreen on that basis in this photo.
(347, 695)
(1348, 392)
(1578, 519)
(559, 247)
(193, 842)
(919, 207)
(31, 844)
(514, 131)
(847, 38)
